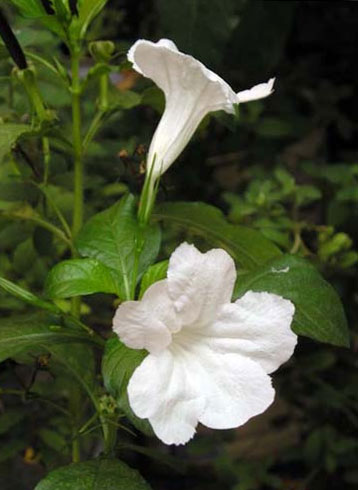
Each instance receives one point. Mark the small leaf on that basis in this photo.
(114, 237)
(319, 312)
(100, 474)
(118, 365)
(9, 134)
(30, 8)
(124, 99)
(26, 296)
(248, 247)
(153, 274)
(87, 11)
(79, 277)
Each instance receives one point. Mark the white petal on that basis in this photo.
(191, 91)
(149, 323)
(257, 92)
(161, 390)
(257, 326)
(200, 283)
(177, 388)
(236, 389)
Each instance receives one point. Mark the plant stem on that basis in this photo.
(75, 400)
(103, 106)
(77, 143)
(56, 209)
(47, 156)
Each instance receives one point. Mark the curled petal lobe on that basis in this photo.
(149, 323)
(257, 92)
(191, 92)
(257, 326)
(199, 283)
(173, 70)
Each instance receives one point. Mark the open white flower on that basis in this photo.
(209, 359)
(191, 92)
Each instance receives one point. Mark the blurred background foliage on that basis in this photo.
(287, 167)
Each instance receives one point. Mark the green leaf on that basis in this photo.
(18, 191)
(77, 360)
(34, 9)
(118, 364)
(10, 418)
(153, 274)
(200, 28)
(79, 277)
(114, 238)
(26, 296)
(30, 8)
(248, 247)
(98, 474)
(11, 449)
(87, 11)
(319, 312)
(9, 134)
(20, 334)
(123, 99)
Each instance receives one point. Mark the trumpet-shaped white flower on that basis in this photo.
(209, 359)
(191, 91)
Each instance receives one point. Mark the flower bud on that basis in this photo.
(102, 51)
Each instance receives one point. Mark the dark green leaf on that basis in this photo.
(199, 27)
(114, 238)
(248, 247)
(9, 134)
(99, 474)
(124, 99)
(10, 418)
(153, 274)
(19, 335)
(17, 191)
(319, 312)
(118, 364)
(79, 277)
(259, 38)
(54, 440)
(78, 362)
(11, 449)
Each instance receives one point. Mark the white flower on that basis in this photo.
(191, 92)
(209, 359)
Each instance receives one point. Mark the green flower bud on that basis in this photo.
(102, 51)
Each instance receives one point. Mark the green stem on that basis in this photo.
(47, 156)
(148, 196)
(103, 106)
(74, 406)
(77, 221)
(77, 143)
(56, 209)
(52, 228)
